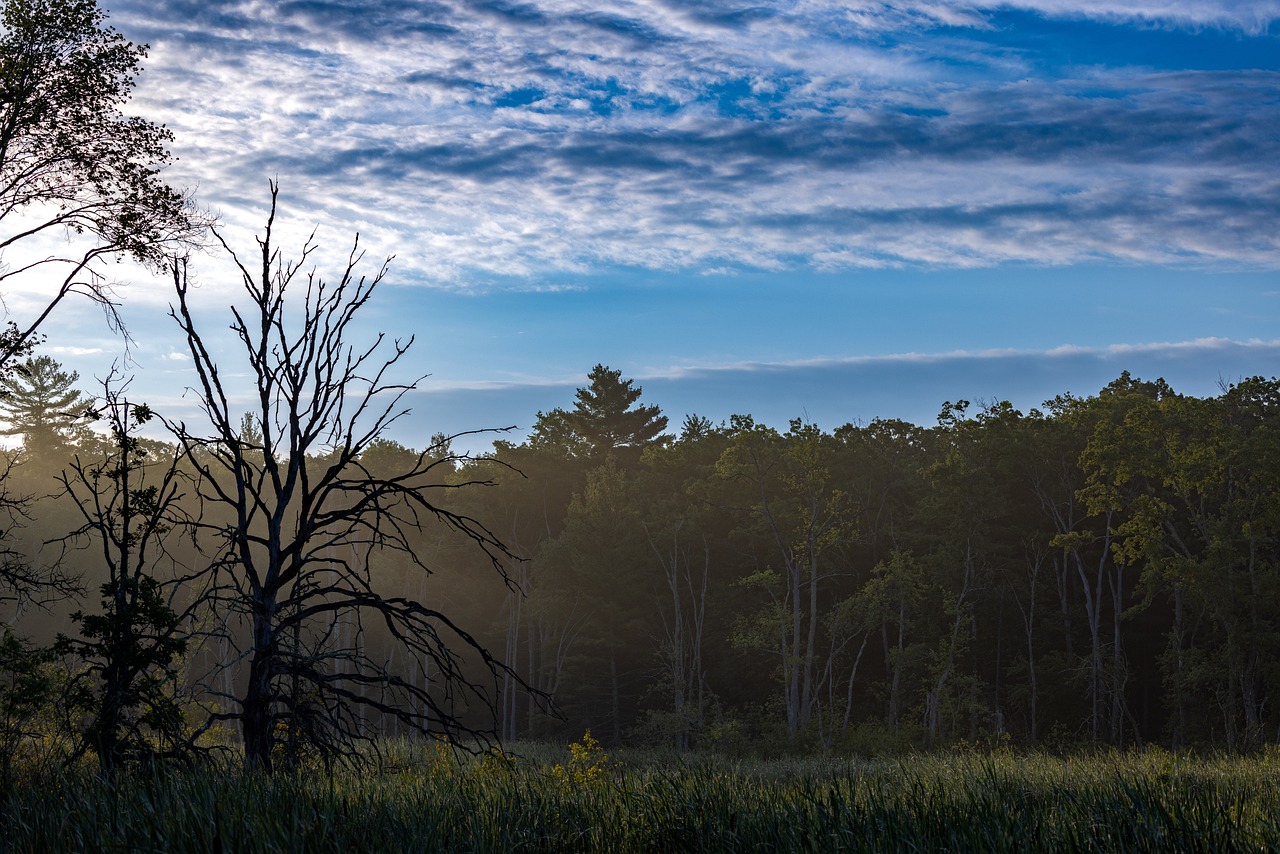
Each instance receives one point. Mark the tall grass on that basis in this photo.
(428, 799)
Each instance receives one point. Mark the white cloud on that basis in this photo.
(64, 350)
(485, 142)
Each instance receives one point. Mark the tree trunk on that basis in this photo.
(256, 709)
(811, 640)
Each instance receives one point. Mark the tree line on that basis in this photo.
(281, 576)
(1101, 570)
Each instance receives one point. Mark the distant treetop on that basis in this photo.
(606, 418)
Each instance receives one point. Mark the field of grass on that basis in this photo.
(426, 798)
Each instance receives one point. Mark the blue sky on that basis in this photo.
(833, 210)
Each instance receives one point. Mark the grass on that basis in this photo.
(428, 799)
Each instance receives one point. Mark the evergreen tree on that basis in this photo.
(607, 417)
(39, 401)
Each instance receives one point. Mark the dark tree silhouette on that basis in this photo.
(603, 414)
(129, 504)
(71, 163)
(299, 515)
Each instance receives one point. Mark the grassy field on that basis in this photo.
(429, 799)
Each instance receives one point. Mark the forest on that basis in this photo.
(288, 580)
(1101, 571)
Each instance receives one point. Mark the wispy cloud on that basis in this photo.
(833, 391)
(1200, 347)
(64, 350)
(490, 141)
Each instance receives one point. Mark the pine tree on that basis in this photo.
(39, 402)
(604, 417)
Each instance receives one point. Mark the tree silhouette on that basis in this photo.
(606, 419)
(299, 513)
(40, 403)
(129, 504)
(71, 163)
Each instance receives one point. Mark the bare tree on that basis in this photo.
(299, 516)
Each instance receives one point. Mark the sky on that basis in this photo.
(786, 208)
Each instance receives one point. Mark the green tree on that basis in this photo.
(680, 532)
(606, 419)
(800, 515)
(1194, 484)
(40, 403)
(27, 690)
(535, 483)
(590, 596)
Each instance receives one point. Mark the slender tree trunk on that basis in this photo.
(1062, 572)
(807, 699)
(510, 688)
(1029, 625)
(933, 697)
(853, 677)
(895, 682)
(1179, 666)
(791, 651)
(1119, 675)
(615, 704)
(531, 649)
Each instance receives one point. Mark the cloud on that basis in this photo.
(64, 350)
(490, 141)
(1200, 347)
(1249, 16)
(909, 386)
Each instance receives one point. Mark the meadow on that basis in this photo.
(431, 798)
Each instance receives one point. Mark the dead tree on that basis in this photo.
(298, 515)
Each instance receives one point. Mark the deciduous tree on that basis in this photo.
(129, 505)
(72, 163)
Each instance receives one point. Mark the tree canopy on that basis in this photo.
(40, 403)
(71, 162)
(606, 418)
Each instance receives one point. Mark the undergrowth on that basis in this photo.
(430, 797)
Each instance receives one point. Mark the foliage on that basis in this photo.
(71, 163)
(586, 766)
(127, 689)
(40, 403)
(606, 419)
(26, 695)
